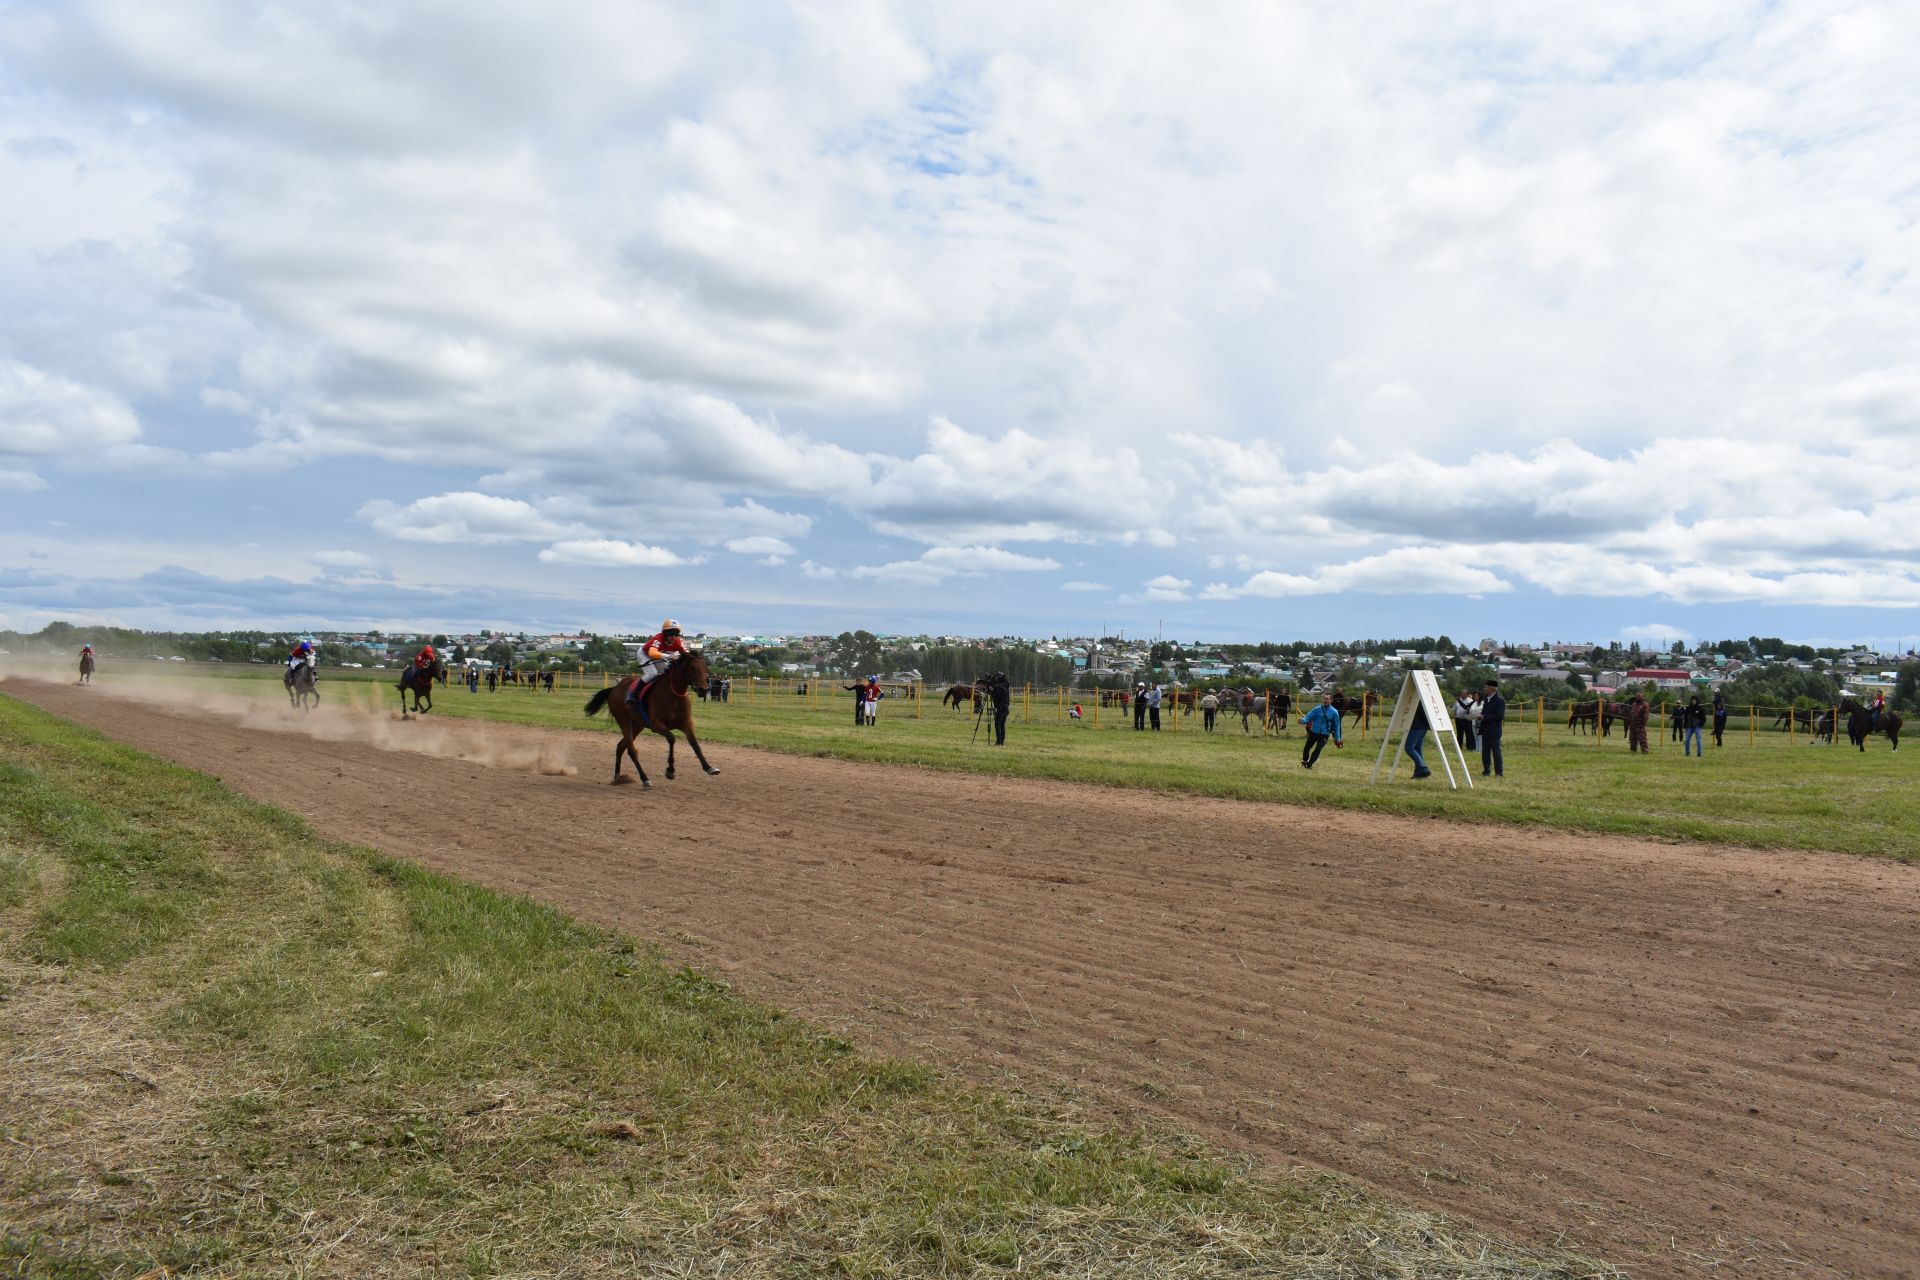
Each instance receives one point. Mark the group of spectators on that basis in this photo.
(1689, 724)
(501, 676)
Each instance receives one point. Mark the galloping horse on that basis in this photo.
(86, 668)
(421, 682)
(667, 708)
(1860, 725)
(301, 683)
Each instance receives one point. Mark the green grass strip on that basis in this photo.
(371, 1069)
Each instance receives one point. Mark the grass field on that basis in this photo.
(231, 1048)
(1764, 790)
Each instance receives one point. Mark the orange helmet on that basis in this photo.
(670, 626)
(428, 651)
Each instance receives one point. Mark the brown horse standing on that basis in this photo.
(959, 695)
(668, 709)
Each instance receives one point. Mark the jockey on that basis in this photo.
(302, 652)
(423, 660)
(659, 651)
(85, 649)
(1879, 709)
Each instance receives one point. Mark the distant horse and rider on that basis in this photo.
(86, 666)
(664, 709)
(302, 683)
(419, 681)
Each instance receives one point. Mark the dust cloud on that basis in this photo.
(338, 718)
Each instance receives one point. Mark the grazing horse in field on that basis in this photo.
(421, 683)
(1860, 724)
(302, 683)
(960, 694)
(86, 668)
(666, 708)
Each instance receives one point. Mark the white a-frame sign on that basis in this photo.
(1422, 689)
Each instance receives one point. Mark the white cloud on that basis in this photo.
(462, 517)
(609, 551)
(1083, 586)
(759, 545)
(983, 559)
(20, 481)
(1404, 571)
(42, 414)
(1165, 587)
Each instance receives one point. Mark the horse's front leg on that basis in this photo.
(700, 755)
(669, 737)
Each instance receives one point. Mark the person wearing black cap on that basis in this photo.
(1493, 719)
(1002, 703)
(1140, 707)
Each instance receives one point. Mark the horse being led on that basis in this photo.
(302, 684)
(420, 681)
(665, 709)
(1860, 725)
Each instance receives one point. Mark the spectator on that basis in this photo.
(1493, 721)
(1140, 707)
(1463, 717)
(1322, 722)
(1637, 711)
(493, 681)
(1417, 734)
(1695, 717)
(1074, 714)
(726, 689)
(859, 692)
(1719, 719)
(1002, 694)
(1153, 707)
(1677, 720)
(1209, 707)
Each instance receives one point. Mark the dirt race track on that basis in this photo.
(1686, 1060)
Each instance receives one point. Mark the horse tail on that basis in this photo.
(598, 702)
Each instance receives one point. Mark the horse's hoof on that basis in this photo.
(669, 775)
(645, 785)
(711, 771)
(621, 782)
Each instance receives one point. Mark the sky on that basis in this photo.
(1266, 320)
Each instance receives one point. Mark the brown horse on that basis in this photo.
(1586, 715)
(421, 682)
(86, 668)
(1860, 724)
(668, 708)
(959, 695)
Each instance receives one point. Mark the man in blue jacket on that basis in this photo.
(1322, 722)
(1493, 718)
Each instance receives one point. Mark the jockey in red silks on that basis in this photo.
(423, 660)
(302, 652)
(1879, 710)
(659, 652)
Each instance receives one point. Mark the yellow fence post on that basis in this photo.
(1749, 725)
(1789, 722)
(1540, 721)
(1833, 725)
(1026, 703)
